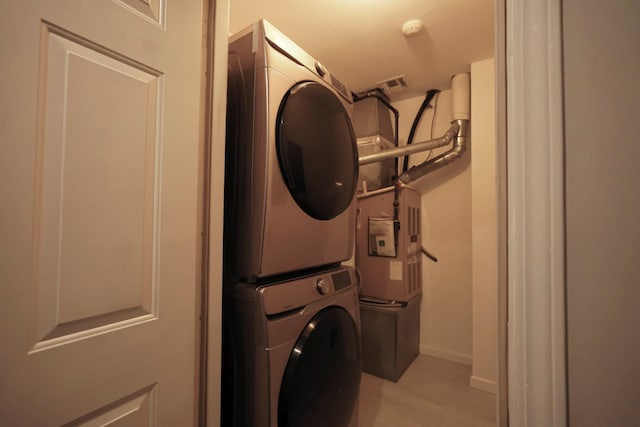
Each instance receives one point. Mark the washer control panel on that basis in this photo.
(289, 295)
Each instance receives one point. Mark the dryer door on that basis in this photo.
(322, 379)
(317, 150)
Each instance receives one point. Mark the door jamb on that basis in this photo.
(217, 34)
(536, 253)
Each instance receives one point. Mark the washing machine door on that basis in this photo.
(322, 379)
(317, 150)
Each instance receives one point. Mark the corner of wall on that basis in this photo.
(484, 220)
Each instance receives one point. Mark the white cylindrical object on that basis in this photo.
(461, 94)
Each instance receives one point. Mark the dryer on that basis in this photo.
(291, 159)
(296, 357)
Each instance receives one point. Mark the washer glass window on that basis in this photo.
(321, 382)
(317, 150)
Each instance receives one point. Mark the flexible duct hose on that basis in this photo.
(427, 99)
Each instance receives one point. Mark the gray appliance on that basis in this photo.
(390, 336)
(296, 352)
(292, 160)
(389, 258)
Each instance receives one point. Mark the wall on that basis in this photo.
(459, 226)
(484, 226)
(445, 329)
(602, 100)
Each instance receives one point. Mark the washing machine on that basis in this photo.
(291, 159)
(293, 351)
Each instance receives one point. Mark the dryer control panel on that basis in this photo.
(291, 50)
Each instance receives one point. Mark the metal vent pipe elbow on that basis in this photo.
(459, 147)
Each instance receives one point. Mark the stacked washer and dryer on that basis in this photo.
(291, 323)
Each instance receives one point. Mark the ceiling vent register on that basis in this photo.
(393, 85)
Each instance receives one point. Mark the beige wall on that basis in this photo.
(445, 329)
(459, 226)
(484, 226)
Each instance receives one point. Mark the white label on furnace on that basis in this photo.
(395, 270)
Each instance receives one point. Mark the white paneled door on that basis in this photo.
(99, 159)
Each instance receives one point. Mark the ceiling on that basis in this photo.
(361, 41)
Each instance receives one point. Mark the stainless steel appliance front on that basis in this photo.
(292, 161)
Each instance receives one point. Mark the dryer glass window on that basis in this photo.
(321, 381)
(317, 150)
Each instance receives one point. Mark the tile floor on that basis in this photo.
(431, 393)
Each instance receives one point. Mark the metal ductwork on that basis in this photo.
(456, 134)
(459, 147)
(417, 147)
(375, 132)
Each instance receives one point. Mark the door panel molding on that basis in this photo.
(137, 409)
(153, 11)
(98, 189)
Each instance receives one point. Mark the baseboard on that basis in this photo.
(482, 384)
(465, 359)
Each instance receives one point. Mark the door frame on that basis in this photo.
(530, 118)
(216, 30)
(535, 213)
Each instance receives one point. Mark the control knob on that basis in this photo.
(320, 69)
(322, 286)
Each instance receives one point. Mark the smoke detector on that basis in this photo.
(393, 85)
(412, 28)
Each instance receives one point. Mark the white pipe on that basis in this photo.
(461, 94)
